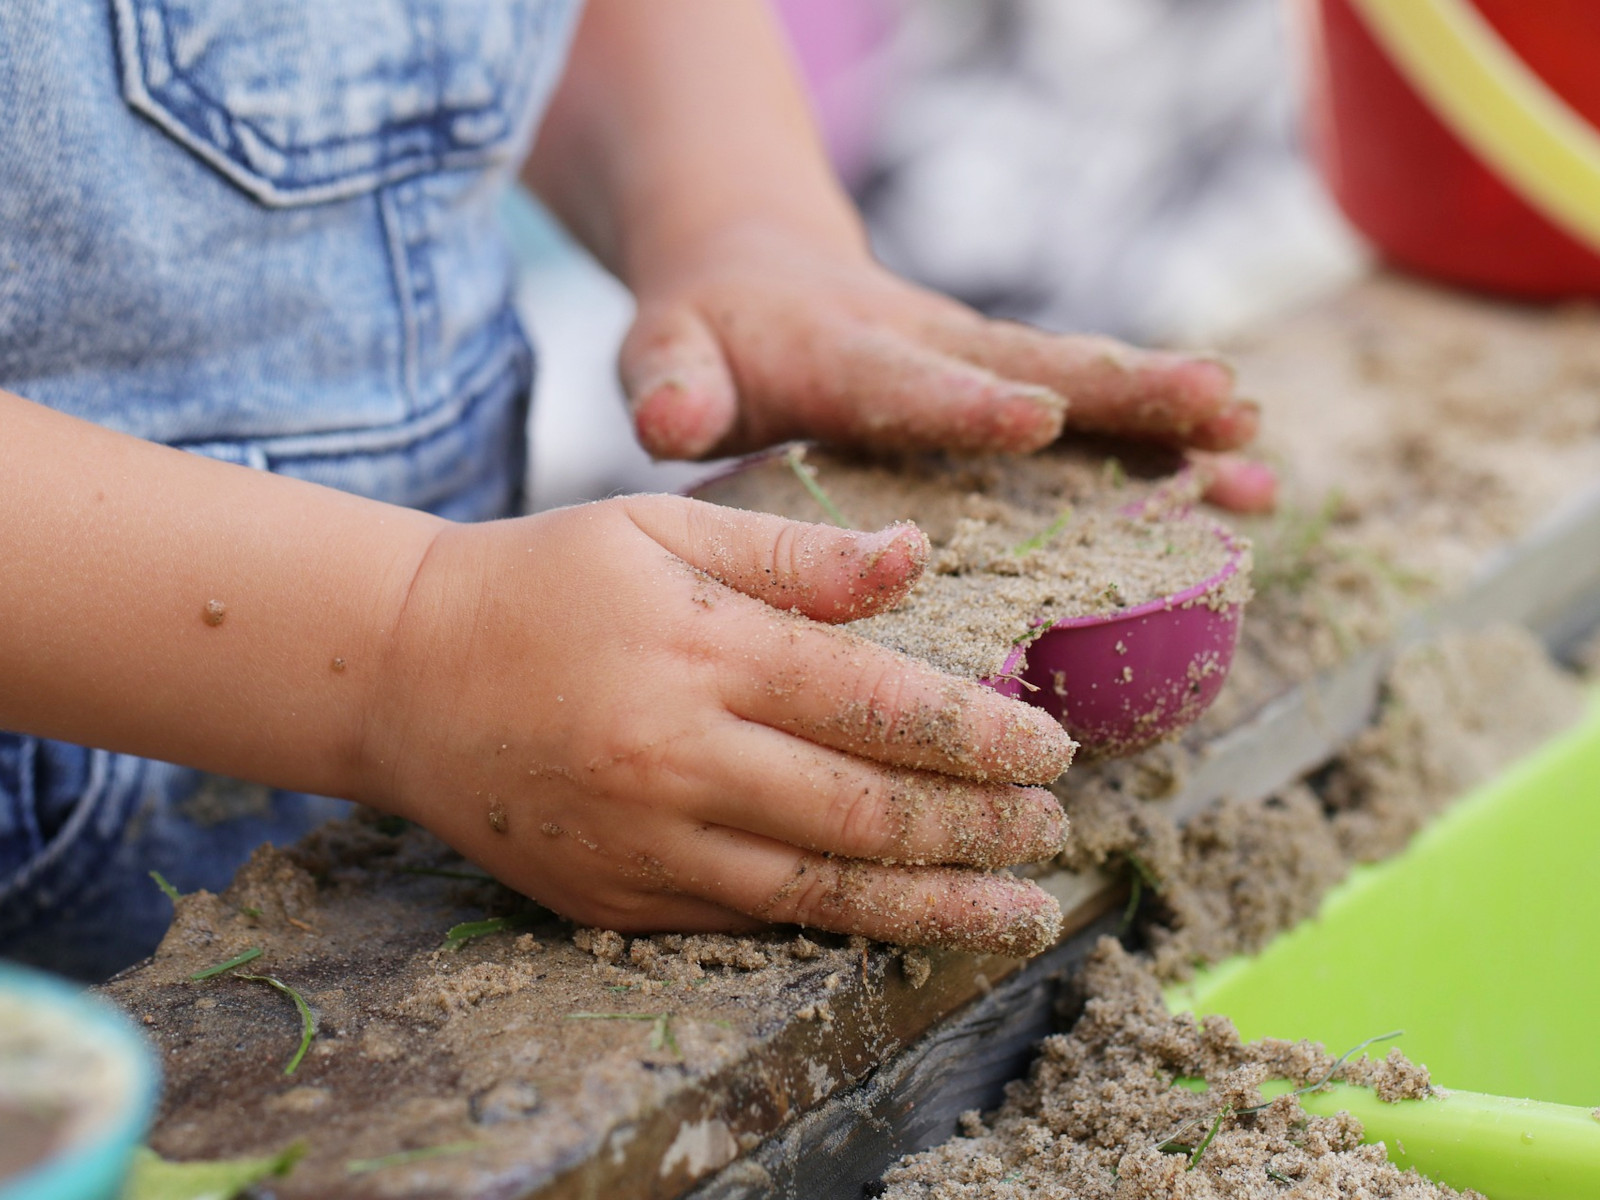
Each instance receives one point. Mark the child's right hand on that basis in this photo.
(612, 708)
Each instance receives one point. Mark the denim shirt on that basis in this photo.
(265, 231)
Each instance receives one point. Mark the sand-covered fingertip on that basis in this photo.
(941, 820)
(1026, 921)
(889, 561)
(991, 914)
(1030, 746)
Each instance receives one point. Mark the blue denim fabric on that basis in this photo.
(265, 231)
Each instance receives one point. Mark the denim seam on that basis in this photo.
(400, 273)
(94, 796)
(411, 242)
(27, 796)
(473, 385)
(390, 167)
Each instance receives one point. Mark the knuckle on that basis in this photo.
(859, 822)
(786, 558)
(881, 700)
(813, 893)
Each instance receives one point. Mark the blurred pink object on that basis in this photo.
(840, 46)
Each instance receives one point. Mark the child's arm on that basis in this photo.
(573, 699)
(680, 149)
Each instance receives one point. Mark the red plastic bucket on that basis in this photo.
(1407, 179)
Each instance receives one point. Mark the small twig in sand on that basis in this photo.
(795, 457)
(308, 1020)
(401, 1158)
(1338, 1065)
(237, 960)
(167, 890)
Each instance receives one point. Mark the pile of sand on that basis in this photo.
(1454, 712)
(1099, 1117)
(1018, 543)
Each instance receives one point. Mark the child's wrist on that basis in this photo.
(365, 754)
(670, 249)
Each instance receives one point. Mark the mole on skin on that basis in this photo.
(215, 612)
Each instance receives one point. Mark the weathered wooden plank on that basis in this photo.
(914, 1099)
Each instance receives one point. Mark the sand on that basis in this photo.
(1454, 712)
(1098, 1117)
(1417, 430)
(482, 1048)
(1017, 543)
(1432, 429)
(1099, 1098)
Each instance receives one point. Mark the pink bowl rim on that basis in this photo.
(1236, 551)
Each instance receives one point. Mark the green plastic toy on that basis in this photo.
(1481, 942)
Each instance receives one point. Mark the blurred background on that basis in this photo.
(1133, 167)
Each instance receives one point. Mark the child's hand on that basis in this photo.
(607, 707)
(764, 335)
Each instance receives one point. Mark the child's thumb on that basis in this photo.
(824, 573)
(679, 388)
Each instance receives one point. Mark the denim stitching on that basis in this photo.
(60, 871)
(512, 96)
(508, 343)
(400, 273)
(392, 154)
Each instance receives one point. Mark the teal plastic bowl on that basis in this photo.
(97, 1041)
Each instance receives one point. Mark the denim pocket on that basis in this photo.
(300, 101)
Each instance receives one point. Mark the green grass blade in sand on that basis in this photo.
(458, 936)
(795, 457)
(238, 960)
(308, 1020)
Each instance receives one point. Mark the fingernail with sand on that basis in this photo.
(1045, 398)
(1000, 914)
(876, 546)
(1216, 359)
(1034, 747)
(1020, 425)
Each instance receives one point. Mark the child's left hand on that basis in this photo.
(765, 335)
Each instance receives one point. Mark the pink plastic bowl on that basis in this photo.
(1119, 682)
